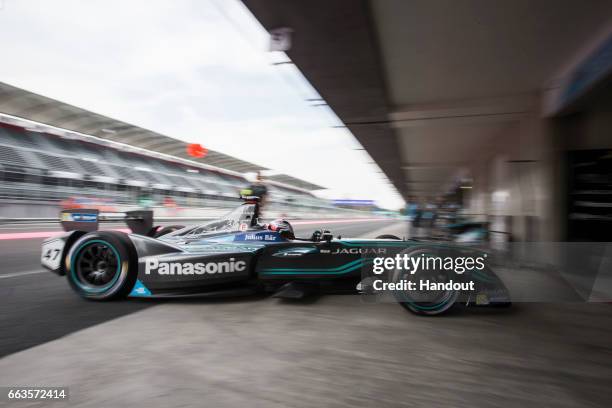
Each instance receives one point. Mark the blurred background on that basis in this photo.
(441, 112)
(45, 169)
(467, 121)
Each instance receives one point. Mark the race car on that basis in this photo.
(237, 255)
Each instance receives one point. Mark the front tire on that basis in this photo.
(102, 265)
(425, 303)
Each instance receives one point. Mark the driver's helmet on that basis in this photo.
(283, 228)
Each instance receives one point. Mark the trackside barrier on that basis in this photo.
(183, 215)
(109, 219)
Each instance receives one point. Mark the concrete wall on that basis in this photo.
(17, 209)
(521, 184)
(514, 183)
(20, 209)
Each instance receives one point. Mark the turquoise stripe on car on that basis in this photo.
(343, 269)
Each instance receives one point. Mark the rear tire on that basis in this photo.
(102, 265)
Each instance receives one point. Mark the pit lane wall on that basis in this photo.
(11, 210)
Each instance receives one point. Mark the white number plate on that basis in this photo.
(51, 256)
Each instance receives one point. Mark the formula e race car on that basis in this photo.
(236, 255)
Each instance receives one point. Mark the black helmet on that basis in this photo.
(283, 228)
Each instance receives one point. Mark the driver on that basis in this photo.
(283, 227)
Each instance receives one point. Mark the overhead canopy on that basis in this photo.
(428, 86)
(292, 181)
(24, 104)
(334, 47)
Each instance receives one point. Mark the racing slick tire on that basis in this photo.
(388, 236)
(166, 230)
(424, 303)
(102, 265)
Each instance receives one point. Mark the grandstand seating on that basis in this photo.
(41, 166)
(57, 162)
(10, 155)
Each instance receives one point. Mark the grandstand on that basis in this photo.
(36, 165)
(43, 162)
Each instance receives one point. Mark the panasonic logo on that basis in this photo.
(199, 268)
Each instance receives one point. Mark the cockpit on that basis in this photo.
(243, 223)
(241, 219)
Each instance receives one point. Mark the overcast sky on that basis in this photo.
(196, 70)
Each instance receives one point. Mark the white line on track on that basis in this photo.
(18, 274)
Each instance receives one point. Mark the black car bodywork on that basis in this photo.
(235, 255)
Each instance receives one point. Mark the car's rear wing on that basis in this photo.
(140, 221)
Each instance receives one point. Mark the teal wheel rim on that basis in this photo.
(96, 266)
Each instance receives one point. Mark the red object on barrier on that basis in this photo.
(196, 150)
